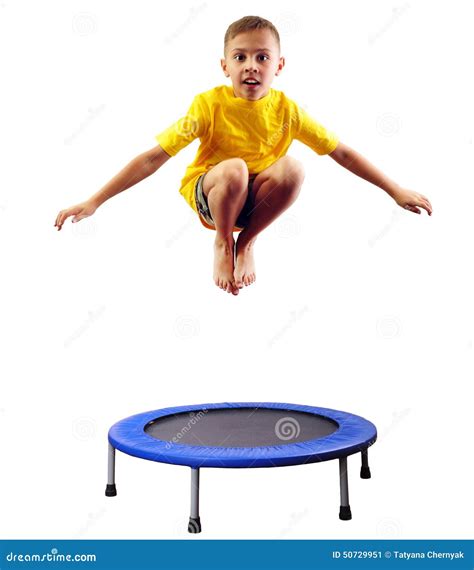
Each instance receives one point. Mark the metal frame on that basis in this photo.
(194, 525)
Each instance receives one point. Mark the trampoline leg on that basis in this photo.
(365, 470)
(111, 490)
(345, 510)
(194, 525)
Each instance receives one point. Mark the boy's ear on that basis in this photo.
(224, 68)
(281, 65)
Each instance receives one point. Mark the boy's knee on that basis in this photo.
(294, 172)
(236, 174)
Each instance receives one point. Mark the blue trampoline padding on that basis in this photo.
(354, 434)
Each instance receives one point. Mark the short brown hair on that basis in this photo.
(246, 24)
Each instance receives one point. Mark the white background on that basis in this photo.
(359, 305)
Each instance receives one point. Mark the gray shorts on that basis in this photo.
(205, 212)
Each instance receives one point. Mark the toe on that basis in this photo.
(238, 281)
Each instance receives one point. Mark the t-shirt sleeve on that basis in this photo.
(193, 125)
(314, 135)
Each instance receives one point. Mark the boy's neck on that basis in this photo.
(245, 99)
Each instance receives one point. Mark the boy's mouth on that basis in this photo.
(251, 82)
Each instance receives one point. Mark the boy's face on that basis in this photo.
(252, 55)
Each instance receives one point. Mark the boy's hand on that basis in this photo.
(79, 211)
(412, 201)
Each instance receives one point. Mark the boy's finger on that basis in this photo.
(426, 205)
(61, 218)
(427, 202)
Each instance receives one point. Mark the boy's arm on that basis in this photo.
(136, 170)
(356, 163)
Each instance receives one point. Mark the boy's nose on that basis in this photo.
(251, 66)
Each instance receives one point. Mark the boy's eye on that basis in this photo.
(241, 57)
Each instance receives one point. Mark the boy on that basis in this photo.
(241, 179)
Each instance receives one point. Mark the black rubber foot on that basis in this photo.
(111, 490)
(345, 513)
(194, 525)
(365, 473)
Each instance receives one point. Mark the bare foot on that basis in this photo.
(244, 272)
(224, 265)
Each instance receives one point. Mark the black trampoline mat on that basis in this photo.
(240, 427)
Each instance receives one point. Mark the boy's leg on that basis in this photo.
(226, 189)
(274, 190)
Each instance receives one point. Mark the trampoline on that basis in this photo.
(242, 435)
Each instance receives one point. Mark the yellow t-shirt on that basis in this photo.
(259, 132)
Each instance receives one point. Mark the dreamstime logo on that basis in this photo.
(295, 316)
(181, 230)
(388, 327)
(186, 327)
(193, 527)
(288, 227)
(295, 519)
(193, 420)
(397, 417)
(84, 24)
(93, 316)
(389, 528)
(286, 23)
(187, 126)
(84, 429)
(85, 228)
(91, 520)
(194, 13)
(287, 428)
(396, 215)
(92, 114)
(276, 136)
(388, 124)
(397, 11)
(179, 527)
